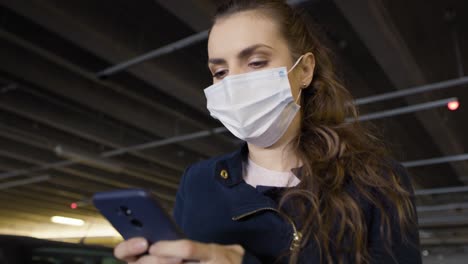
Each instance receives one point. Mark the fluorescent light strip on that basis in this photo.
(66, 221)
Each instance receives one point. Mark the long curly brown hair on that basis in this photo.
(334, 152)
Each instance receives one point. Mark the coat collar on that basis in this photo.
(229, 170)
(242, 197)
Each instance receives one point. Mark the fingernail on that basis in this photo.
(140, 245)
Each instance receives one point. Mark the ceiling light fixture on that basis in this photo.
(67, 221)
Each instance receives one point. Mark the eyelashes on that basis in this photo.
(258, 64)
(252, 65)
(219, 74)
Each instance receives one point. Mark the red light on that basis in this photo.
(73, 206)
(452, 106)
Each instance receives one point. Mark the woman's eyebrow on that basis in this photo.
(242, 54)
(247, 52)
(216, 61)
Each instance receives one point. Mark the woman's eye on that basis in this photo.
(257, 64)
(219, 74)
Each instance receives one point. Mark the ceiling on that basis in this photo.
(50, 96)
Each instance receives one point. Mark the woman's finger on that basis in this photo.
(129, 250)
(149, 259)
(184, 249)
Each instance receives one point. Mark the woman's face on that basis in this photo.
(245, 42)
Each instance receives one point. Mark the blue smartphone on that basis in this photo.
(135, 213)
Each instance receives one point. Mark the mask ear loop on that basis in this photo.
(296, 63)
(298, 96)
(292, 68)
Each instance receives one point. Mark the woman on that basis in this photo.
(308, 187)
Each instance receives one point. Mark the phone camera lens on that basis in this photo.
(125, 210)
(136, 223)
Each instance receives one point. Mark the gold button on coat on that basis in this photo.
(224, 174)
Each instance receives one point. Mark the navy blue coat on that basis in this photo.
(215, 205)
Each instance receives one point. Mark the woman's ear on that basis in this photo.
(307, 66)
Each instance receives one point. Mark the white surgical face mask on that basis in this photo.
(257, 107)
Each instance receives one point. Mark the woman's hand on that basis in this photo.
(165, 252)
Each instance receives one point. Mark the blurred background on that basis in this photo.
(102, 95)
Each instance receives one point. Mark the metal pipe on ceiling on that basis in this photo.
(166, 141)
(97, 161)
(405, 110)
(442, 207)
(7, 185)
(445, 190)
(180, 44)
(46, 166)
(434, 161)
(80, 157)
(413, 90)
(454, 220)
(88, 158)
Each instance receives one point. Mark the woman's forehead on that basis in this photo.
(232, 34)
